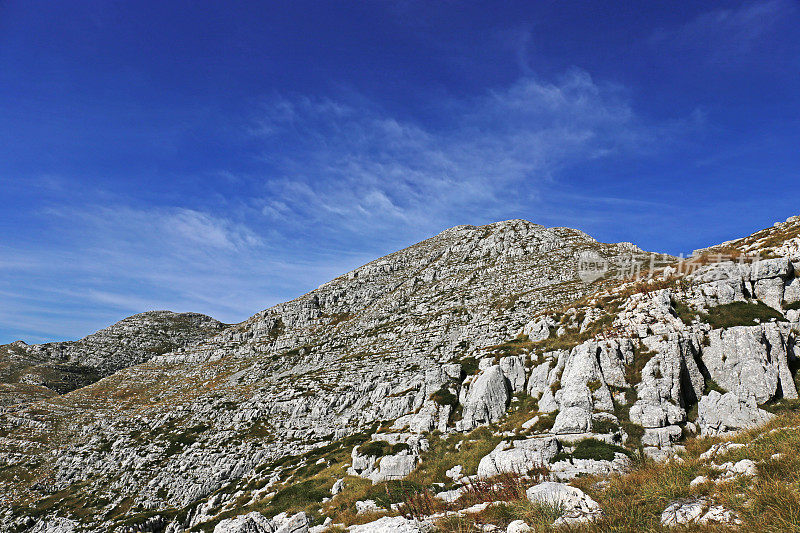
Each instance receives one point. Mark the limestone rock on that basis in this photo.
(394, 467)
(696, 511)
(518, 457)
(518, 526)
(752, 360)
(577, 506)
(487, 399)
(54, 525)
(250, 523)
(718, 413)
(393, 524)
(539, 328)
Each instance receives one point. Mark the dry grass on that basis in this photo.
(634, 501)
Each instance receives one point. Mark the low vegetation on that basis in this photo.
(741, 314)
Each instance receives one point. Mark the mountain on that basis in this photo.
(33, 372)
(484, 351)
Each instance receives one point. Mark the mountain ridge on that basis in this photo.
(439, 337)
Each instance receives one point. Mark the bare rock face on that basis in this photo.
(518, 457)
(257, 523)
(720, 413)
(394, 524)
(487, 399)
(752, 360)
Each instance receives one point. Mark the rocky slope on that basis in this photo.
(481, 352)
(32, 372)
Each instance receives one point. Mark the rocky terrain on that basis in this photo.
(38, 371)
(503, 376)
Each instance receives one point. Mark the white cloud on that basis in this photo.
(358, 168)
(102, 263)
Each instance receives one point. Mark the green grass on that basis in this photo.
(299, 494)
(381, 448)
(684, 312)
(792, 306)
(740, 314)
(593, 449)
(713, 385)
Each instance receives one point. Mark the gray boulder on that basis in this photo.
(752, 360)
(718, 413)
(518, 456)
(393, 524)
(250, 523)
(486, 400)
(577, 507)
(394, 467)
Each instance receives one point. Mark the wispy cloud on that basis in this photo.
(730, 36)
(104, 262)
(339, 181)
(354, 165)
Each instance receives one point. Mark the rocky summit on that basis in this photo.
(507, 377)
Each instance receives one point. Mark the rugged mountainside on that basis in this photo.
(482, 351)
(32, 372)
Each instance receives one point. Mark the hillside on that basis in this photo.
(474, 364)
(38, 371)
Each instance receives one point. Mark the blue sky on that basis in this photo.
(221, 157)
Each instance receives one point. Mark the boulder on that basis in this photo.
(538, 329)
(394, 467)
(537, 382)
(752, 360)
(661, 436)
(487, 399)
(518, 457)
(683, 512)
(518, 526)
(514, 370)
(791, 291)
(393, 524)
(566, 470)
(576, 506)
(249, 523)
(583, 389)
(297, 523)
(718, 413)
(696, 511)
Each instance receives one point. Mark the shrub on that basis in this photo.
(443, 396)
(593, 449)
(740, 314)
(795, 305)
(380, 448)
(598, 450)
(394, 491)
(469, 366)
(604, 425)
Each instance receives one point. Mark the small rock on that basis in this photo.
(393, 524)
(576, 505)
(518, 526)
(366, 506)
